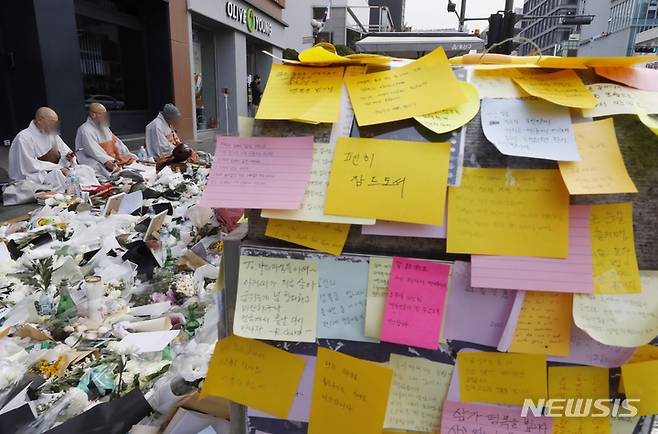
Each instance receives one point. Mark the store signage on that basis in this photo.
(249, 18)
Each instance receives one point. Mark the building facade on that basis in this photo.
(548, 33)
(615, 26)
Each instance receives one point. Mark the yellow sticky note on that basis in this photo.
(277, 299)
(614, 99)
(325, 237)
(641, 382)
(426, 85)
(318, 54)
(644, 353)
(379, 270)
(302, 93)
(497, 83)
(601, 169)
(254, 374)
(613, 250)
(418, 390)
(514, 212)
(649, 121)
(349, 395)
(562, 88)
(455, 117)
(389, 180)
(501, 378)
(544, 325)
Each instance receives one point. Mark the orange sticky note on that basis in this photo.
(349, 395)
(544, 325)
(325, 237)
(639, 78)
(562, 88)
(641, 382)
(254, 374)
(501, 378)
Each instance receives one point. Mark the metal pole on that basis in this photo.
(462, 15)
(509, 5)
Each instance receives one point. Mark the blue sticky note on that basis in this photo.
(342, 299)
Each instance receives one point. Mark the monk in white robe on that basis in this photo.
(39, 157)
(161, 136)
(97, 147)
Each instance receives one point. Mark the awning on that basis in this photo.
(414, 46)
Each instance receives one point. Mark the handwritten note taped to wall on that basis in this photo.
(529, 128)
(255, 374)
(417, 393)
(349, 395)
(514, 212)
(455, 117)
(389, 180)
(573, 274)
(259, 172)
(464, 417)
(601, 169)
(277, 299)
(497, 83)
(342, 299)
(302, 93)
(639, 78)
(625, 320)
(563, 88)
(426, 85)
(586, 351)
(613, 249)
(312, 207)
(325, 237)
(644, 353)
(641, 383)
(415, 301)
(500, 378)
(613, 99)
(544, 324)
(379, 271)
(488, 309)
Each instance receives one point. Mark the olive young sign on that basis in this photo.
(248, 17)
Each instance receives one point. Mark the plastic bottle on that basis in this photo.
(141, 154)
(164, 244)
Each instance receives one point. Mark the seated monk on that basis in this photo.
(98, 147)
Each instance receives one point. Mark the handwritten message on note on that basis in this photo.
(301, 405)
(349, 395)
(514, 212)
(417, 393)
(579, 382)
(302, 93)
(415, 301)
(601, 169)
(325, 237)
(584, 350)
(255, 374)
(644, 353)
(277, 299)
(641, 382)
(639, 78)
(625, 320)
(464, 417)
(544, 324)
(455, 117)
(488, 309)
(497, 83)
(563, 88)
(613, 250)
(312, 207)
(573, 274)
(613, 99)
(372, 178)
(259, 172)
(342, 299)
(426, 85)
(501, 378)
(379, 271)
(529, 128)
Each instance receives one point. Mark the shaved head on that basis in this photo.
(45, 113)
(98, 113)
(46, 120)
(96, 107)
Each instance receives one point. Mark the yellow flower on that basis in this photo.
(41, 221)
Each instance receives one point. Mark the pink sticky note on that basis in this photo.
(639, 78)
(488, 309)
(470, 417)
(301, 405)
(399, 229)
(414, 304)
(583, 350)
(259, 172)
(573, 274)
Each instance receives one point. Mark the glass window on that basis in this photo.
(203, 74)
(113, 64)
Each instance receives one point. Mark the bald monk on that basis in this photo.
(39, 155)
(97, 147)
